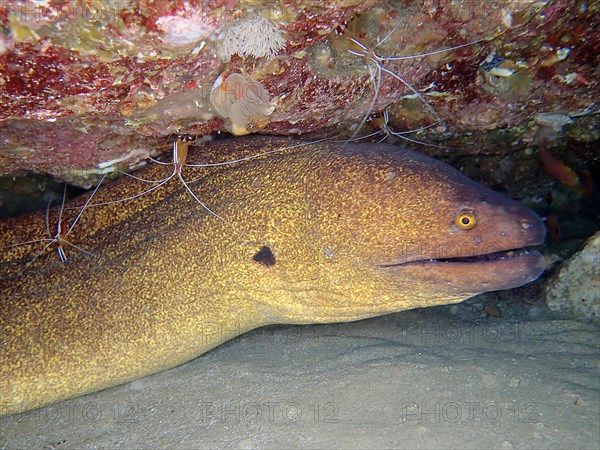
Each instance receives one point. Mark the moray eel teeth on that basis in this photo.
(489, 257)
(475, 259)
(488, 272)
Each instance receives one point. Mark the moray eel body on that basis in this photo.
(318, 233)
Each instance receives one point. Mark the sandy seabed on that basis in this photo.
(417, 379)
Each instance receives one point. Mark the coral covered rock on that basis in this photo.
(574, 291)
(85, 86)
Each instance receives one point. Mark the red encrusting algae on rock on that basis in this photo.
(96, 71)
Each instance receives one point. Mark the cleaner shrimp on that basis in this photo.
(180, 153)
(377, 65)
(382, 125)
(63, 230)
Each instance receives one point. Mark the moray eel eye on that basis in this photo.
(465, 220)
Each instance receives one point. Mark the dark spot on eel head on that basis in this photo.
(265, 256)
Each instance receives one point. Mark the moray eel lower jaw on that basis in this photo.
(478, 273)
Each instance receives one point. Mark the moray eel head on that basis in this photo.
(420, 231)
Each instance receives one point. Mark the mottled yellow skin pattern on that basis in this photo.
(168, 281)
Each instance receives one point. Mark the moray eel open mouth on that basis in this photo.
(478, 273)
(489, 257)
(474, 259)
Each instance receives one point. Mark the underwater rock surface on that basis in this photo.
(574, 291)
(85, 87)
